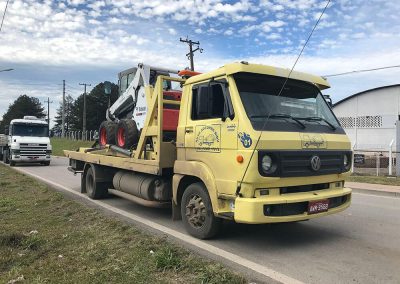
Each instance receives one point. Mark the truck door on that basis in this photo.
(211, 127)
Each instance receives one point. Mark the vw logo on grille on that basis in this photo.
(315, 163)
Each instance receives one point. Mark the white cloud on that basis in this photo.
(118, 33)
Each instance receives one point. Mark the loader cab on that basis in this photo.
(125, 78)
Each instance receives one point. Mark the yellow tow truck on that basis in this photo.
(231, 144)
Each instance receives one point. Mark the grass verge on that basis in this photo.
(60, 144)
(374, 179)
(46, 238)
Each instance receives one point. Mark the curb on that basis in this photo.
(375, 192)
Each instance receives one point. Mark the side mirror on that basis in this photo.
(328, 100)
(6, 130)
(107, 88)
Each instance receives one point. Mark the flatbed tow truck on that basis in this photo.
(226, 146)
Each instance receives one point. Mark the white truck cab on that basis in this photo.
(26, 141)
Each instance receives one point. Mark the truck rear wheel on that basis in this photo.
(107, 133)
(6, 157)
(95, 189)
(197, 213)
(127, 133)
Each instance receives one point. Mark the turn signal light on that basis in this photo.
(239, 158)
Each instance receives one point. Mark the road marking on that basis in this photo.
(263, 270)
(376, 195)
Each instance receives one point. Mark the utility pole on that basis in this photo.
(48, 110)
(84, 106)
(191, 50)
(63, 113)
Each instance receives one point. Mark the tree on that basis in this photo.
(96, 107)
(69, 102)
(23, 105)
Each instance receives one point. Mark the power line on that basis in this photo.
(361, 71)
(4, 15)
(280, 92)
(74, 88)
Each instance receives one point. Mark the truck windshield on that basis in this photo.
(300, 107)
(36, 130)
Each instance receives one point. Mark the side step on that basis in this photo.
(72, 170)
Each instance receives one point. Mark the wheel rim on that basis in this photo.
(196, 212)
(121, 137)
(103, 136)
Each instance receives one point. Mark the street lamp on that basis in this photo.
(5, 70)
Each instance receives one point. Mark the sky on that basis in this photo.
(48, 41)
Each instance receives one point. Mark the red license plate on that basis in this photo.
(318, 206)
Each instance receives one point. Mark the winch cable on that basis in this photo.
(280, 92)
(4, 15)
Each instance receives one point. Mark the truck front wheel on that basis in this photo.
(95, 189)
(197, 212)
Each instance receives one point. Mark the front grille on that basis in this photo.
(303, 188)
(298, 208)
(298, 163)
(32, 150)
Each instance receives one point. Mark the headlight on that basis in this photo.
(347, 161)
(266, 163)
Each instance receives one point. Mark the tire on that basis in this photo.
(107, 133)
(46, 163)
(83, 182)
(196, 203)
(12, 163)
(5, 157)
(94, 189)
(127, 134)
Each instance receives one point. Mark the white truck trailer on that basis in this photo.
(26, 141)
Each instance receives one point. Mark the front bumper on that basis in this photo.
(30, 159)
(292, 207)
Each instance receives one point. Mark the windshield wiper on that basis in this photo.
(280, 115)
(317, 118)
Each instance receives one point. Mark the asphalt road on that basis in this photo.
(359, 245)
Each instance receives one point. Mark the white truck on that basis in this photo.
(26, 141)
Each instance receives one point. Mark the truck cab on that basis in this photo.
(267, 151)
(26, 141)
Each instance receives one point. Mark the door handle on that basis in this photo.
(189, 129)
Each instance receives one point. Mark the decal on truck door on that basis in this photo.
(208, 138)
(245, 139)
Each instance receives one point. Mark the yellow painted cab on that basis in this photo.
(266, 151)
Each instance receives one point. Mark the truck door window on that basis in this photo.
(208, 101)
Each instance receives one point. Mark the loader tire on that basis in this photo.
(107, 133)
(127, 134)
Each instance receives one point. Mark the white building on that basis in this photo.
(369, 118)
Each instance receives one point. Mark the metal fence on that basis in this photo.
(88, 135)
(373, 162)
